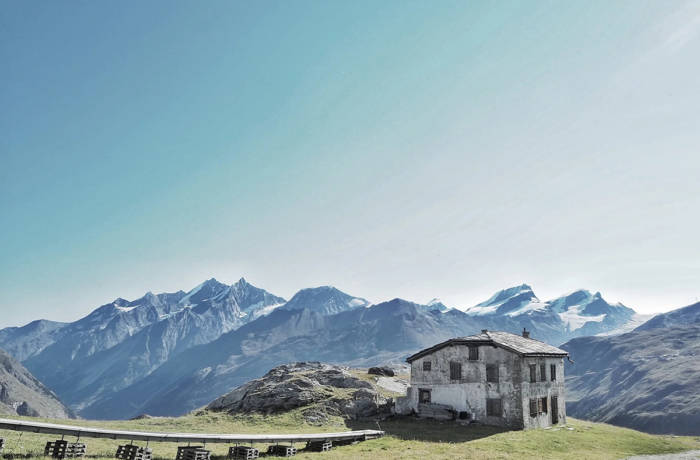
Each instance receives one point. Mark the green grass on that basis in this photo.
(407, 438)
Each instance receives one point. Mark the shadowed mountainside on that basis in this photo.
(646, 379)
(22, 394)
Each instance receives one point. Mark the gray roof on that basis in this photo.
(513, 342)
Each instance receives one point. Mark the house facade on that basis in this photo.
(496, 378)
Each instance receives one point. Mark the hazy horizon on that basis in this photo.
(393, 149)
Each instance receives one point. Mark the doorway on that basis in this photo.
(423, 396)
(555, 410)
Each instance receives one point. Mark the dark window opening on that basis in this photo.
(494, 408)
(427, 365)
(455, 370)
(492, 373)
(533, 408)
(473, 353)
(553, 372)
(543, 405)
(424, 396)
(533, 373)
(555, 410)
(543, 372)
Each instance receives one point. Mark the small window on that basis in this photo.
(473, 353)
(533, 408)
(492, 373)
(543, 405)
(455, 370)
(543, 373)
(494, 408)
(553, 372)
(424, 396)
(427, 365)
(533, 373)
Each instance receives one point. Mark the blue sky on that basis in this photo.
(411, 149)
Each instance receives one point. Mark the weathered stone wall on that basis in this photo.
(539, 389)
(469, 393)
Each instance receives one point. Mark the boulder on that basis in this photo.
(381, 370)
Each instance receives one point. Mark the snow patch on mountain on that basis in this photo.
(503, 297)
(262, 310)
(575, 320)
(357, 302)
(528, 307)
(635, 321)
(436, 304)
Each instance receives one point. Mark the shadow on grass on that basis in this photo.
(415, 429)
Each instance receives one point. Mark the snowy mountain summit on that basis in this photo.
(580, 311)
(326, 300)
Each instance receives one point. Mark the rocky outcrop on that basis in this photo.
(386, 371)
(323, 390)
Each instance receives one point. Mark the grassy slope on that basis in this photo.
(407, 438)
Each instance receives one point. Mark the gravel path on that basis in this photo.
(392, 384)
(689, 455)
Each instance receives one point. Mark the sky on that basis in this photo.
(391, 149)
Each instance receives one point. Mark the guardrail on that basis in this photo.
(86, 432)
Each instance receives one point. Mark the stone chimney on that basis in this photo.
(526, 333)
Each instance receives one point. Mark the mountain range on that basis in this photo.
(172, 352)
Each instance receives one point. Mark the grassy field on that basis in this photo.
(407, 438)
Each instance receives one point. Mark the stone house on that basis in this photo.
(496, 378)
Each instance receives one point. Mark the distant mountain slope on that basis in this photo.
(26, 341)
(326, 300)
(22, 394)
(680, 317)
(646, 379)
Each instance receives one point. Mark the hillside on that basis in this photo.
(406, 438)
(21, 393)
(646, 379)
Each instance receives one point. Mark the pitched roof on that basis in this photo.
(513, 342)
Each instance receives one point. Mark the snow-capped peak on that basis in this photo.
(437, 305)
(505, 301)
